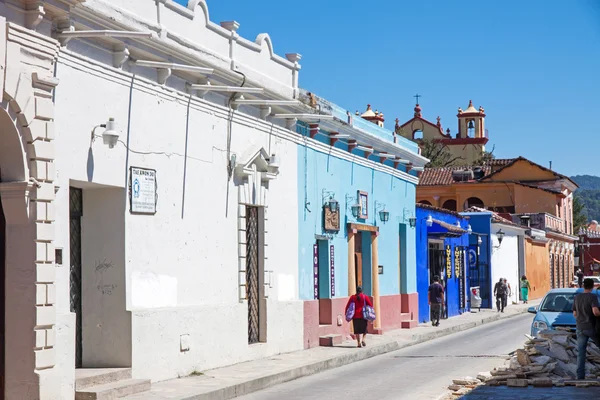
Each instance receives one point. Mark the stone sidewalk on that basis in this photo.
(241, 379)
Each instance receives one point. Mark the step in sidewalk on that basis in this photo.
(245, 378)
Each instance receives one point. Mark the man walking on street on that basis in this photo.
(507, 294)
(435, 296)
(580, 278)
(500, 291)
(585, 310)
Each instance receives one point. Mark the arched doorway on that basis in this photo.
(17, 263)
(425, 202)
(13, 168)
(450, 205)
(474, 202)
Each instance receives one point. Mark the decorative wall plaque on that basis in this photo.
(331, 219)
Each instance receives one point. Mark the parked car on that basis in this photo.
(596, 279)
(556, 310)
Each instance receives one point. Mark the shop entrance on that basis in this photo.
(437, 261)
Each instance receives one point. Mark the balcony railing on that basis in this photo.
(542, 221)
(554, 223)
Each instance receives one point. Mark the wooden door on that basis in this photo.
(358, 269)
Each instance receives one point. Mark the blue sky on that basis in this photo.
(533, 65)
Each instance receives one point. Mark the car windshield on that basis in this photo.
(558, 302)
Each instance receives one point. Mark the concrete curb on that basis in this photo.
(255, 385)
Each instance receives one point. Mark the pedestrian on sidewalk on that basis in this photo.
(579, 277)
(500, 291)
(525, 288)
(507, 295)
(585, 310)
(359, 323)
(435, 297)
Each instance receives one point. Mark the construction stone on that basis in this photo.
(517, 383)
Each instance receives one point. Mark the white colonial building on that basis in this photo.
(164, 240)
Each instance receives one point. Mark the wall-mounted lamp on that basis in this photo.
(330, 201)
(384, 215)
(412, 221)
(479, 241)
(274, 163)
(231, 165)
(429, 221)
(110, 136)
(500, 235)
(458, 224)
(380, 269)
(355, 208)
(469, 229)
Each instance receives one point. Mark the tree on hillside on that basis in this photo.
(438, 154)
(587, 182)
(579, 218)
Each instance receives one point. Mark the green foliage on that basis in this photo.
(580, 219)
(438, 154)
(587, 197)
(486, 157)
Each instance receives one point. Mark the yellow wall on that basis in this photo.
(492, 194)
(429, 131)
(537, 264)
(522, 171)
(468, 153)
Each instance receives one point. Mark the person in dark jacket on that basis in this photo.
(586, 311)
(500, 291)
(580, 278)
(435, 297)
(358, 322)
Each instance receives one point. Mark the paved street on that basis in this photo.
(419, 372)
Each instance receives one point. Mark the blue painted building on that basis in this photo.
(442, 249)
(480, 254)
(356, 205)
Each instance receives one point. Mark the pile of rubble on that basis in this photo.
(548, 360)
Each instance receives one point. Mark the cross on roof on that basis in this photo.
(417, 97)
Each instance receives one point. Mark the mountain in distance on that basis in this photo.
(589, 194)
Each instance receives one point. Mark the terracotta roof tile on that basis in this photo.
(443, 176)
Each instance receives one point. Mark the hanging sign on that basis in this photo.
(142, 190)
(448, 261)
(332, 269)
(461, 281)
(457, 261)
(316, 270)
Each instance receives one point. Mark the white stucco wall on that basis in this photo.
(181, 265)
(505, 262)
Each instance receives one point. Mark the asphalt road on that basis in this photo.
(423, 371)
